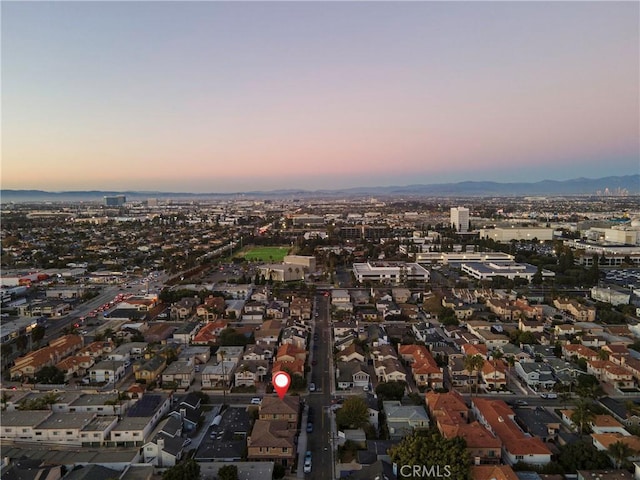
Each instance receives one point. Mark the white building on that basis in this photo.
(487, 271)
(499, 234)
(460, 219)
(391, 272)
(608, 295)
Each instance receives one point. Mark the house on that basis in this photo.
(383, 352)
(425, 370)
(470, 349)
(295, 367)
(300, 308)
(609, 372)
(620, 411)
(294, 336)
(185, 308)
(186, 333)
(351, 375)
(447, 408)
(196, 354)
(272, 440)
(287, 409)
(341, 300)
(75, 365)
(565, 330)
(166, 444)
(149, 370)
(390, 370)
(289, 353)
(403, 420)
(97, 349)
(257, 352)
(268, 333)
(181, 373)
(211, 309)
(499, 419)
(494, 374)
(250, 372)
(210, 333)
(483, 447)
(219, 374)
(188, 412)
(342, 343)
(580, 312)
(31, 363)
(530, 325)
(535, 375)
(493, 472)
(607, 424)
(352, 353)
(422, 330)
(602, 441)
(109, 371)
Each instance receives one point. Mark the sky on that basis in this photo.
(240, 96)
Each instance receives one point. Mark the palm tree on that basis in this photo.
(583, 415)
(620, 451)
(473, 364)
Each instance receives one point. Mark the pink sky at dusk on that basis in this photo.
(223, 96)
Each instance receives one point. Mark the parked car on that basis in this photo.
(307, 462)
(256, 401)
(312, 387)
(309, 427)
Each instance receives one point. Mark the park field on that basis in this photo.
(265, 254)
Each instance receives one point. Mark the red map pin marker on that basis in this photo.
(281, 382)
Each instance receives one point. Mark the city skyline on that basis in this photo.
(224, 97)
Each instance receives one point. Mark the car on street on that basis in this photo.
(307, 462)
(312, 387)
(549, 395)
(521, 403)
(256, 401)
(309, 427)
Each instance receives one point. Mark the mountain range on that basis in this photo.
(627, 184)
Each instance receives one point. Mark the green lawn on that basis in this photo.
(266, 254)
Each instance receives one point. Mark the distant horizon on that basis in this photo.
(142, 191)
(222, 96)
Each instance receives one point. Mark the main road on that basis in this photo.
(320, 441)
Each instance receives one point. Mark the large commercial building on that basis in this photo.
(460, 219)
(115, 201)
(457, 258)
(487, 271)
(499, 234)
(390, 272)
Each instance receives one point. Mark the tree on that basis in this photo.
(436, 456)
(390, 390)
(619, 451)
(353, 414)
(37, 333)
(576, 456)
(228, 472)
(230, 337)
(588, 387)
(583, 415)
(21, 343)
(189, 470)
(473, 363)
(50, 374)
(537, 277)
